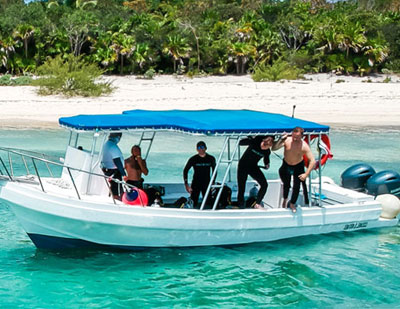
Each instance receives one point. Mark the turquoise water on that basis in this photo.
(350, 270)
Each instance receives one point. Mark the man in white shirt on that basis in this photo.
(112, 163)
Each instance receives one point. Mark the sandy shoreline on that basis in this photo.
(351, 103)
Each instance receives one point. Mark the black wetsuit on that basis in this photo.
(248, 165)
(202, 167)
(285, 172)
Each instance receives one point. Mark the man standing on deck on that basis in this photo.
(203, 165)
(135, 165)
(259, 148)
(112, 163)
(294, 150)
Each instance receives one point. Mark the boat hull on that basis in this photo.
(52, 221)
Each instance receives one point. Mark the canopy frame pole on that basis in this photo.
(309, 177)
(99, 159)
(10, 164)
(228, 168)
(70, 138)
(214, 174)
(149, 139)
(76, 140)
(319, 172)
(91, 166)
(231, 156)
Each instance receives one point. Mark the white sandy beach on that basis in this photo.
(319, 98)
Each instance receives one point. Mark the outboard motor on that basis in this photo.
(356, 176)
(385, 182)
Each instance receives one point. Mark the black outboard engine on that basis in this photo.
(385, 182)
(356, 176)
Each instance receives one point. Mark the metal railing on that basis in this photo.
(23, 153)
(8, 171)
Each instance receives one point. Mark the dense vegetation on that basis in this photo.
(263, 37)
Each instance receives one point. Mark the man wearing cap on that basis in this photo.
(112, 163)
(203, 164)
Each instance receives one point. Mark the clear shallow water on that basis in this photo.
(358, 269)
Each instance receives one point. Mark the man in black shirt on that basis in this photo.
(203, 164)
(259, 147)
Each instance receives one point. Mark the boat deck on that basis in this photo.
(331, 194)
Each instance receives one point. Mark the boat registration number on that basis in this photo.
(355, 226)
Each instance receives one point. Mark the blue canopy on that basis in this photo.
(208, 122)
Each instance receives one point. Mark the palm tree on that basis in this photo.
(268, 44)
(352, 37)
(241, 49)
(81, 4)
(24, 32)
(241, 52)
(325, 36)
(377, 50)
(142, 54)
(123, 44)
(7, 47)
(102, 51)
(176, 47)
(52, 3)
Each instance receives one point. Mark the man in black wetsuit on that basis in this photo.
(259, 147)
(203, 164)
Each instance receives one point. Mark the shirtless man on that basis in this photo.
(293, 164)
(135, 166)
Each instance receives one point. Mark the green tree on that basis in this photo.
(392, 5)
(352, 37)
(7, 49)
(102, 52)
(123, 44)
(24, 32)
(57, 42)
(142, 55)
(241, 51)
(294, 25)
(78, 27)
(176, 47)
(82, 4)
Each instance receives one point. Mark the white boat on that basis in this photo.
(76, 209)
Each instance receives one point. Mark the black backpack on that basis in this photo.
(225, 198)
